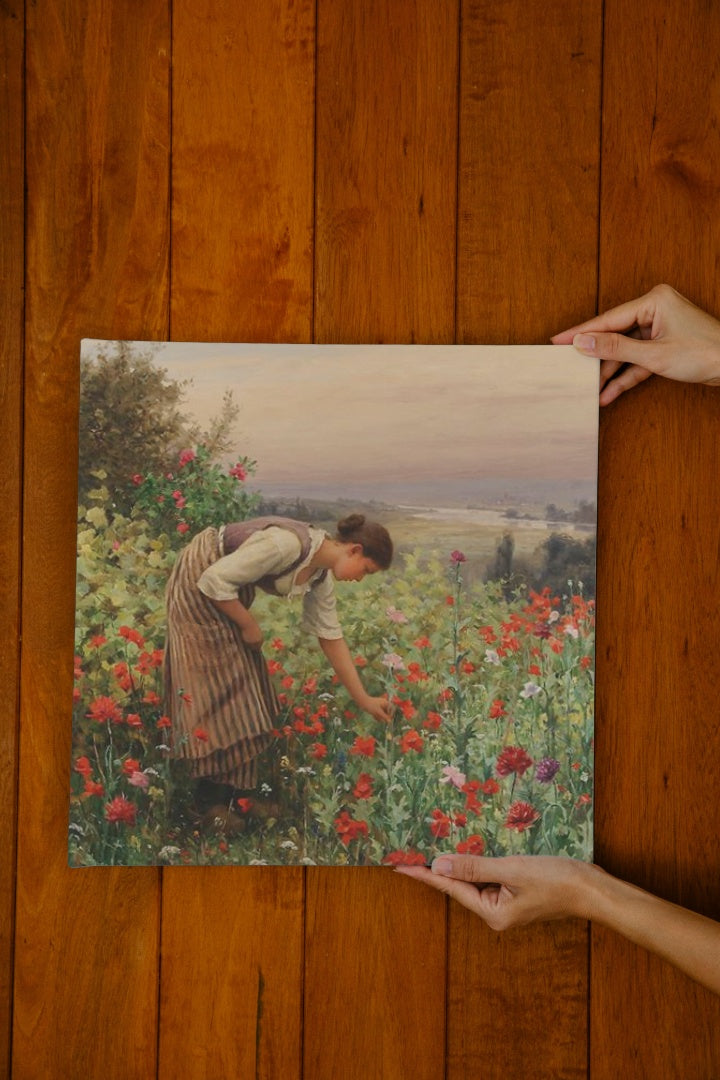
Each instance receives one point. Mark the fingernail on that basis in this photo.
(442, 866)
(586, 342)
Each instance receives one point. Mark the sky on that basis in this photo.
(342, 415)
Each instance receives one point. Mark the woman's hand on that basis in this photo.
(660, 333)
(252, 634)
(379, 708)
(511, 891)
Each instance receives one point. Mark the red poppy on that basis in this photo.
(132, 635)
(318, 750)
(365, 747)
(474, 845)
(82, 765)
(310, 686)
(513, 759)
(130, 765)
(497, 709)
(422, 643)
(440, 824)
(96, 641)
(433, 722)
(183, 527)
(121, 811)
(360, 661)
(201, 734)
(585, 662)
(521, 816)
(104, 710)
(490, 787)
(288, 682)
(488, 634)
(164, 722)
(404, 858)
(133, 720)
(186, 456)
(406, 708)
(244, 804)
(364, 787)
(460, 820)
(348, 829)
(411, 740)
(278, 644)
(534, 670)
(274, 667)
(93, 788)
(151, 698)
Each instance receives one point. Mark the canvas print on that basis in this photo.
(335, 604)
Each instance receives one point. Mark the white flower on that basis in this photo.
(572, 631)
(168, 852)
(553, 616)
(288, 845)
(265, 789)
(530, 689)
(491, 656)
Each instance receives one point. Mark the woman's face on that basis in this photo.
(353, 564)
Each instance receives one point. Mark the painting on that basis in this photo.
(335, 604)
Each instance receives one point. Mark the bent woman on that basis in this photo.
(218, 692)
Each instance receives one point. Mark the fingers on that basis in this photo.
(629, 377)
(620, 349)
(466, 894)
(623, 317)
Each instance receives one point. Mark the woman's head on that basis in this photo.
(367, 542)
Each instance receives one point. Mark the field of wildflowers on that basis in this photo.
(489, 749)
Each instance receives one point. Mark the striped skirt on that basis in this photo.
(218, 692)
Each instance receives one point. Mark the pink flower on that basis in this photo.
(186, 456)
(182, 527)
(137, 479)
(393, 661)
(239, 472)
(457, 557)
(452, 775)
(396, 616)
(139, 779)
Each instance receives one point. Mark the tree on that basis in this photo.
(132, 421)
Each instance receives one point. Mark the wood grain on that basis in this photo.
(385, 257)
(658, 666)
(97, 232)
(527, 243)
(243, 140)
(386, 172)
(12, 244)
(529, 158)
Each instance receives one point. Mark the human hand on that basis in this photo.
(252, 634)
(660, 333)
(379, 708)
(513, 890)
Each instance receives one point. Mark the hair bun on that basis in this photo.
(350, 524)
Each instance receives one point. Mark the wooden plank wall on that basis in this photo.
(377, 171)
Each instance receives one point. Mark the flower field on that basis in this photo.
(489, 749)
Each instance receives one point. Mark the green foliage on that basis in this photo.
(195, 494)
(132, 421)
(469, 672)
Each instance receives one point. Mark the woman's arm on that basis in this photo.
(521, 889)
(250, 630)
(342, 663)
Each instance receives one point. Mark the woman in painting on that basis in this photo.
(660, 333)
(218, 691)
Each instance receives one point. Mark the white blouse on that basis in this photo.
(267, 552)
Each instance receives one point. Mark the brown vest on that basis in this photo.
(238, 532)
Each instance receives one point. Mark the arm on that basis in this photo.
(660, 333)
(521, 889)
(250, 630)
(341, 661)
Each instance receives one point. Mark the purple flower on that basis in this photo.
(545, 770)
(457, 557)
